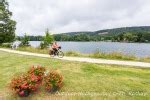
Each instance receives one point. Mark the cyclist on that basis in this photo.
(55, 47)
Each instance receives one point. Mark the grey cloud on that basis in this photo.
(35, 16)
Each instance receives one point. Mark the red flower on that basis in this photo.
(21, 93)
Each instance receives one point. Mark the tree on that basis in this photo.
(48, 39)
(7, 26)
(120, 37)
(25, 40)
(128, 36)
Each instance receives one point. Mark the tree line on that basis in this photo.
(31, 38)
(123, 37)
(132, 37)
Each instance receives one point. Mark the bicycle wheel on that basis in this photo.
(60, 54)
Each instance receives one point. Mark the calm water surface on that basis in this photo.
(138, 49)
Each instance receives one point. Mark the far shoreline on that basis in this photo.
(106, 41)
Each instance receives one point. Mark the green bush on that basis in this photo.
(25, 40)
(43, 45)
(48, 39)
(6, 45)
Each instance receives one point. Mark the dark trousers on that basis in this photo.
(55, 51)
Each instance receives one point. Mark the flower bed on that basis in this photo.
(37, 73)
(53, 81)
(29, 82)
(20, 85)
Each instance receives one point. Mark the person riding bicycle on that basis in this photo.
(55, 47)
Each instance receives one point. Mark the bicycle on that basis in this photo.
(58, 53)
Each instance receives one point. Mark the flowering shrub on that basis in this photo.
(28, 82)
(37, 73)
(19, 84)
(53, 81)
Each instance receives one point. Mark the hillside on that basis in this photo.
(133, 34)
(113, 31)
(125, 29)
(124, 34)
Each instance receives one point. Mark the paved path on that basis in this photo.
(80, 59)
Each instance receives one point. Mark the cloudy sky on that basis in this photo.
(34, 16)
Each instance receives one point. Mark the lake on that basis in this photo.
(138, 49)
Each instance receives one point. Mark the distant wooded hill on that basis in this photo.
(127, 34)
(124, 34)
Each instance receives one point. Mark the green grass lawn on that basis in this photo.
(107, 81)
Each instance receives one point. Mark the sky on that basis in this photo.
(35, 16)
